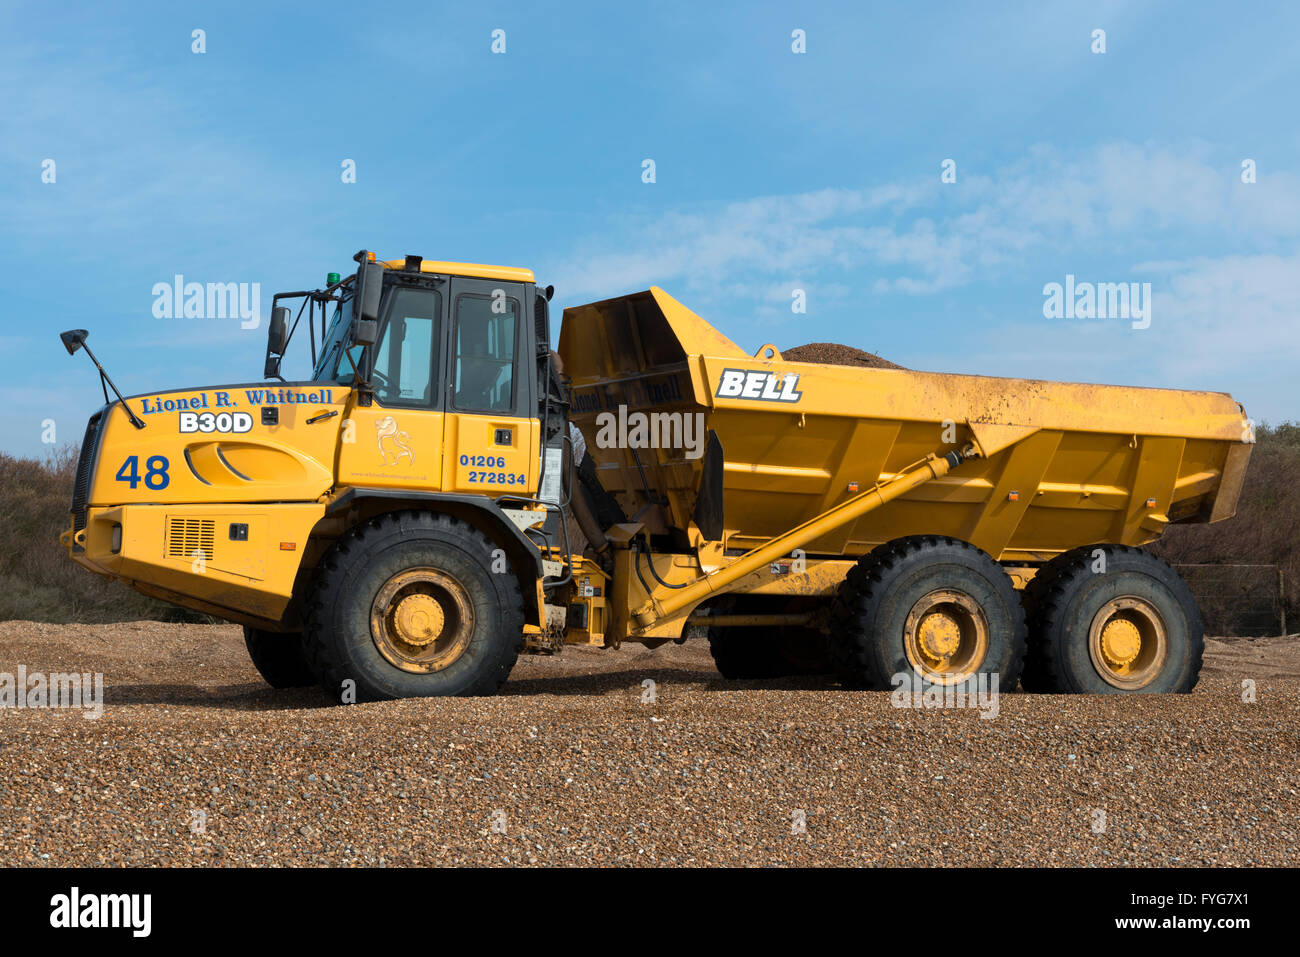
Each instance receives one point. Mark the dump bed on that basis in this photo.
(1062, 464)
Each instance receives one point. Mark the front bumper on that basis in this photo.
(235, 561)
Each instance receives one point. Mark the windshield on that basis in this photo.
(332, 366)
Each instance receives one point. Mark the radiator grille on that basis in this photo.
(85, 469)
(185, 536)
(542, 323)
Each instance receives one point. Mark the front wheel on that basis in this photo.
(408, 605)
(279, 658)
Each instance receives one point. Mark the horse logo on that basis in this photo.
(400, 442)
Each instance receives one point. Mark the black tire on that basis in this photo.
(743, 654)
(1068, 594)
(803, 651)
(874, 602)
(367, 560)
(279, 658)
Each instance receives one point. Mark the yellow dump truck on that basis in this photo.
(446, 492)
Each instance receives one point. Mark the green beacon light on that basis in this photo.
(331, 279)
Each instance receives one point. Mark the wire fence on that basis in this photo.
(1240, 601)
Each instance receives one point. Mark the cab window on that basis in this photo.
(406, 354)
(333, 364)
(484, 348)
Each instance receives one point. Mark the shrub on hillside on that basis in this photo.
(38, 581)
(1263, 532)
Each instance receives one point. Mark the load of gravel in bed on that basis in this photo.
(832, 353)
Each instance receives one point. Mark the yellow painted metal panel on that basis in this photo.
(477, 462)
(254, 576)
(471, 270)
(210, 445)
(392, 448)
(1083, 459)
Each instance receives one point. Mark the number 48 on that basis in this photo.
(155, 475)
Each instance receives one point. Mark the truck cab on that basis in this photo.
(428, 384)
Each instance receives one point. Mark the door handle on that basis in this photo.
(324, 415)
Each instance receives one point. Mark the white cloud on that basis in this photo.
(922, 238)
(1223, 258)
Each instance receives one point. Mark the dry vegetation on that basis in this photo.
(38, 582)
(1265, 526)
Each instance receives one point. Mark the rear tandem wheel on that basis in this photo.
(1111, 619)
(928, 607)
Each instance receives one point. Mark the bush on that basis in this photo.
(38, 581)
(1263, 532)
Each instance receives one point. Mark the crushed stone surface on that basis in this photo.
(195, 761)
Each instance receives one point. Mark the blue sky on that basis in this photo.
(774, 171)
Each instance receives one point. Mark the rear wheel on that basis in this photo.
(407, 605)
(934, 608)
(279, 658)
(1110, 619)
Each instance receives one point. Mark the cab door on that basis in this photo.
(397, 440)
(491, 422)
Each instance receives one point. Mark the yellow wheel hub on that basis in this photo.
(422, 620)
(939, 635)
(418, 619)
(1127, 643)
(946, 637)
(1120, 642)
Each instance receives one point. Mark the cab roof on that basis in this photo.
(472, 270)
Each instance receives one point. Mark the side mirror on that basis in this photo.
(370, 287)
(73, 340)
(365, 332)
(277, 337)
(371, 279)
(277, 340)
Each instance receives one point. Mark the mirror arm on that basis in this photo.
(365, 392)
(104, 378)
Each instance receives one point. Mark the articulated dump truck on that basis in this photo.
(446, 492)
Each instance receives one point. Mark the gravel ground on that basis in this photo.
(195, 761)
